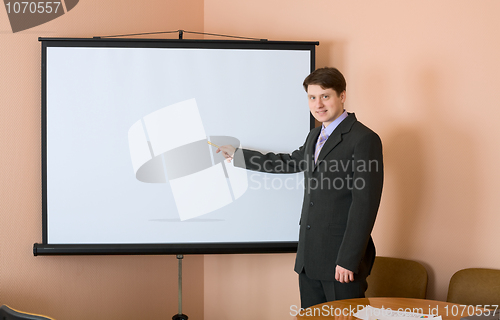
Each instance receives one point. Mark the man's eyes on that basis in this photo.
(325, 97)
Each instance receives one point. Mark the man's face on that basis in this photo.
(325, 104)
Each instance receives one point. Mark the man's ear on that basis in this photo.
(343, 96)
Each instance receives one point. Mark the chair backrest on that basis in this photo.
(7, 313)
(475, 286)
(394, 277)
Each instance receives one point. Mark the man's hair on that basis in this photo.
(326, 78)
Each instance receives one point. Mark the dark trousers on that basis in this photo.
(313, 292)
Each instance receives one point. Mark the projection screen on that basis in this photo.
(126, 163)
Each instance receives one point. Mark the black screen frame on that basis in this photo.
(45, 248)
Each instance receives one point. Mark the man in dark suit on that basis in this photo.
(343, 177)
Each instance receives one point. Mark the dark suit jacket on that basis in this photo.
(341, 197)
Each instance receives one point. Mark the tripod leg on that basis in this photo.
(180, 316)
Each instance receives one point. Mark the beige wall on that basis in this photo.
(423, 74)
(98, 287)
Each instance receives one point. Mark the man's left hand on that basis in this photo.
(343, 275)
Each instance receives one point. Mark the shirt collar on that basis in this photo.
(329, 129)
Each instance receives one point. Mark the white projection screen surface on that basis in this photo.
(126, 163)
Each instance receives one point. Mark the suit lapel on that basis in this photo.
(336, 137)
(310, 147)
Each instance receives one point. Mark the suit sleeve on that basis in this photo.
(366, 192)
(271, 162)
